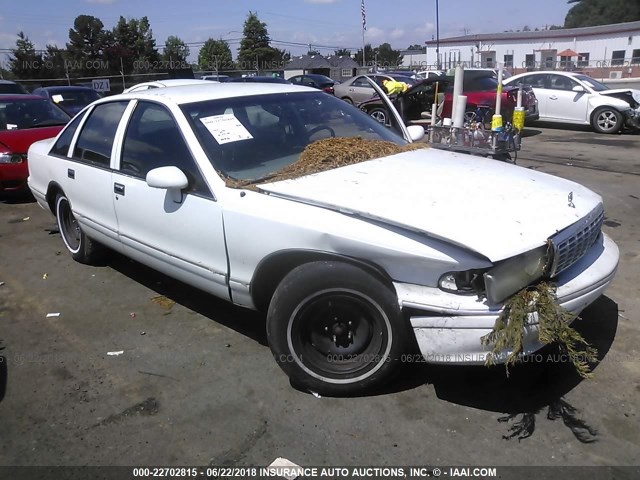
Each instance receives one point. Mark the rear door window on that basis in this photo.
(95, 142)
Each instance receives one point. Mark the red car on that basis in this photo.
(479, 88)
(24, 119)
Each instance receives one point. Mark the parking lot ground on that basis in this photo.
(196, 383)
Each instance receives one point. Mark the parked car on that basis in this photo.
(71, 99)
(479, 87)
(353, 264)
(9, 87)
(24, 119)
(423, 74)
(357, 89)
(569, 97)
(173, 82)
(216, 78)
(315, 80)
(258, 79)
(493, 71)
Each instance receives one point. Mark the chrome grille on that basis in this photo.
(572, 243)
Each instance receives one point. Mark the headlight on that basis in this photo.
(11, 158)
(463, 283)
(514, 274)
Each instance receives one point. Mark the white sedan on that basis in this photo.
(169, 82)
(353, 264)
(568, 97)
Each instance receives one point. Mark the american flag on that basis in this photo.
(364, 16)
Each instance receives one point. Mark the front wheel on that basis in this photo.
(81, 247)
(606, 120)
(335, 329)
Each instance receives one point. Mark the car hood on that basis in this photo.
(18, 141)
(622, 92)
(495, 209)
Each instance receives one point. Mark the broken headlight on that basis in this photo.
(512, 275)
(463, 283)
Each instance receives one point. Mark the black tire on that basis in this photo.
(81, 247)
(380, 114)
(336, 329)
(606, 120)
(348, 100)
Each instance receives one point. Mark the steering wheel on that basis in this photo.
(319, 128)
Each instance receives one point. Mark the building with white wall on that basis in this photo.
(608, 49)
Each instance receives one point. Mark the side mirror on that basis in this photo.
(168, 178)
(578, 88)
(416, 132)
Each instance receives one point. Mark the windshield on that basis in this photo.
(249, 138)
(595, 85)
(30, 113)
(73, 98)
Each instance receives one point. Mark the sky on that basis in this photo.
(292, 24)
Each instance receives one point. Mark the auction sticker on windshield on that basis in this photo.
(226, 128)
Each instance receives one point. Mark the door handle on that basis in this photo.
(71, 173)
(118, 188)
(553, 97)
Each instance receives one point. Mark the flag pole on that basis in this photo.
(364, 27)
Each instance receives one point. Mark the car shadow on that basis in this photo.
(17, 198)
(244, 321)
(530, 132)
(563, 126)
(537, 385)
(4, 373)
(533, 387)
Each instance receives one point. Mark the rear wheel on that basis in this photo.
(335, 329)
(81, 247)
(606, 120)
(348, 100)
(380, 114)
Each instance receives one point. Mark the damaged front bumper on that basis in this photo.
(632, 118)
(452, 326)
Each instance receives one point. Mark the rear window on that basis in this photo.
(480, 84)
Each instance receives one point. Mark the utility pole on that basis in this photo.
(437, 35)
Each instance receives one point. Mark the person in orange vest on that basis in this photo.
(391, 86)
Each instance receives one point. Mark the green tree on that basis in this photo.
(175, 50)
(134, 44)
(53, 60)
(255, 49)
(388, 57)
(313, 51)
(369, 55)
(601, 12)
(24, 61)
(416, 46)
(281, 57)
(215, 55)
(343, 52)
(87, 47)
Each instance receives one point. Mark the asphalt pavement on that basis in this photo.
(134, 368)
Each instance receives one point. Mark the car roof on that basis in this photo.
(64, 87)
(541, 72)
(180, 95)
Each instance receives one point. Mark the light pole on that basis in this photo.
(437, 36)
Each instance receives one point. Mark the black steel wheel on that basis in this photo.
(335, 328)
